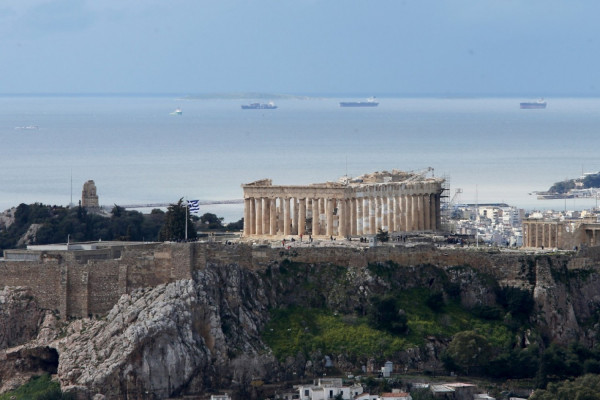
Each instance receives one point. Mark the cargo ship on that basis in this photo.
(533, 105)
(259, 106)
(370, 102)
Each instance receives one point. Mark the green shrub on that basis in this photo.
(38, 388)
(293, 330)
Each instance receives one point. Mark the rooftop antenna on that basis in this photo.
(71, 203)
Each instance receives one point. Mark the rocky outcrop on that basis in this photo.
(21, 321)
(20, 316)
(7, 218)
(30, 235)
(202, 334)
(191, 334)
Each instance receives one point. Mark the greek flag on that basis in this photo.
(194, 206)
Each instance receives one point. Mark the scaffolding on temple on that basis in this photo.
(445, 205)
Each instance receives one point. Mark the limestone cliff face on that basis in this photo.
(20, 316)
(567, 298)
(202, 334)
(191, 334)
(21, 321)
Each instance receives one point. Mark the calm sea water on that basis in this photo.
(137, 152)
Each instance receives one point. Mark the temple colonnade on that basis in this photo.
(340, 210)
(540, 233)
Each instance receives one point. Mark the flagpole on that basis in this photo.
(187, 206)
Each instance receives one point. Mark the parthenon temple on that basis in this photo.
(393, 201)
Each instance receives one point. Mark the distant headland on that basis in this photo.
(586, 186)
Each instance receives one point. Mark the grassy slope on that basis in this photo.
(292, 330)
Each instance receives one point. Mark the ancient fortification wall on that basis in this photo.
(80, 283)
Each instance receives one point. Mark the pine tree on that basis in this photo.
(174, 226)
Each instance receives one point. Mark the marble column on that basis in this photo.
(390, 213)
(366, 216)
(427, 212)
(293, 216)
(412, 212)
(343, 219)
(287, 223)
(315, 216)
(544, 226)
(252, 216)
(258, 218)
(247, 222)
(273, 216)
(372, 215)
(379, 213)
(421, 211)
(266, 216)
(403, 213)
(353, 216)
(302, 217)
(329, 212)
(359, 216)
(397, 214)
(322, 216)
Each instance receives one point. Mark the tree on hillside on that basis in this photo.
(382, 236)
(586, 387)
(175, 222)
(562, 187)
(211, 221)
(235, 226)
(57, 224)
(591, 181)
(385, 315)
(468, 351)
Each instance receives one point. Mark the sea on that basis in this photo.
(138, 153)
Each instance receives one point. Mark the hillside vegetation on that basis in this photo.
(43, 224)
(497, 338)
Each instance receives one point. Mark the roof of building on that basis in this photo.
(459, 384)
(441, 389)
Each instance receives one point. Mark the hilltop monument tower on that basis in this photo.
(89, 197)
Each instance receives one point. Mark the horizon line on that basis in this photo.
(253, 94)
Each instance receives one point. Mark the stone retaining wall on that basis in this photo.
(75, 285)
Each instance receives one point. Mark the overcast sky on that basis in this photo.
(397, 47)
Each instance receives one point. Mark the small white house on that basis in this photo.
(328, 388)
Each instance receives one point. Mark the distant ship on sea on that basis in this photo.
(541, 103)
(177, 112)
(370, 102)
(259, 106)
